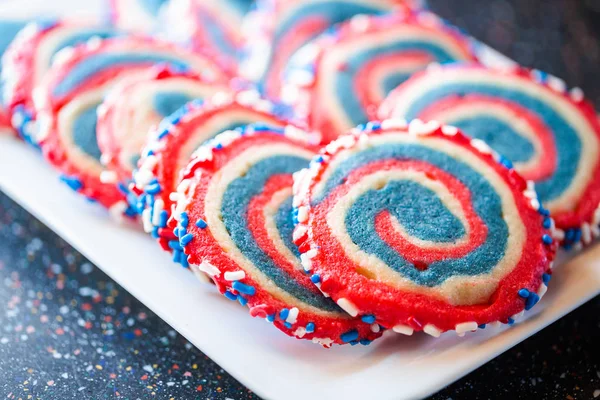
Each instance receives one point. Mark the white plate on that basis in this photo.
(271, 364)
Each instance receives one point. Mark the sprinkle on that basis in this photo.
(235, 276)
(292, 316)
(432, 330)
(153, 188)
(242, 300)
(546, 278)
(368, 319)
(347, 306)
(315, 278)
(174, 245)
(547, 239)
(375, 328)
(547, 223)
(302, 214)
(349, 336)
(287, 325)
(186, 239)
(365, 342)
(283, 314)
(246, 289)
(465, 327)
(310, 327)
(72, 182)
(531, 301)
(482, 326)
(271, 317)
(524, 293)
(300, 332)
(209, 269)
(230, 296)
(403, 329)
(511, 321)
(201, 224)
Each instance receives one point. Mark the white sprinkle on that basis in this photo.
(203, 153)
(292, 315)
(148, 368)
(306, 263)
(481, 146)
(208, 268)
(149, 163)
(557, 84)
(300, 332)
(185, 184)
(418, 127)
(301, 77)
(235, 276)
(595, 231)
(147, 220)
(403, 329)
(302, 214)
(577, 94)
(596, 219)
(108, 177)
(449, 130)
(346, 142)
(375, 328)
(586, 233)
(142, 177)
(465, 327)
(174, 197)
(299, 232)
(432, 330)
(159, 206)
(63, 55)
(327, 342)
(535, 204)
(360, 23)
(542, 290)
(220, 99)
(558, 234)
(347, 306)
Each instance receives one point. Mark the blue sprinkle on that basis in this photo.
(122, 188)
(164, 218)
(310, 327)
(287, 325)
(184, 222)
(353, 342)
(373, 126)
(365, 342)
(163, 133)
(153, 188)
(174, 245)
(547, 239)
(368, 319)
(506, 162)
(482, 326)
(531, 301)
(349, 336)
(577, 237)
(546, 278)
(283, 314)
(183, 260)
(230, 296)
(201, 224)
(219, 146)
(176, 232)
(242, 300)
(72, 182)
(271, 317)
(246, 289)
(511, 321)
(186, 239)
(316, 278)
(154, 233)
(319, 159)
(570, 235)
(176, 256)
(544, 212)
(547, 223)
(524, 293)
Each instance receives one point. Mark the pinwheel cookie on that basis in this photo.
(421, 229)
(551, 135)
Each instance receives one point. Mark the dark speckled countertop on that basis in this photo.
(67, 331)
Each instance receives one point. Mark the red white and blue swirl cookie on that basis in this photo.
(139, 16)
(421, 228)
(137, 104)
(276, 29)
(235, 225)
(552, 136)
(211, 26)
(339, 81)
(68, 98)
(170, 148)
(8, 31)
(29, 58)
